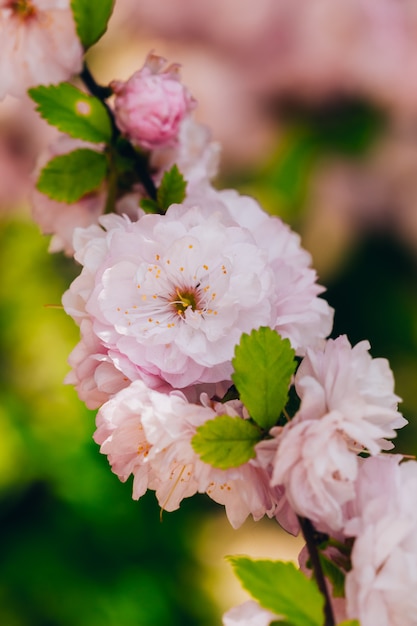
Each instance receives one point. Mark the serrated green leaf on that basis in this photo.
(282, 589)
(172, 188)
(68, 177)
(149, 205)
(73, 112)
(226, 441)
(264, 364)
(91, 18)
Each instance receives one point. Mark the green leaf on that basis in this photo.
(264, 364)
(73, 112)
(68, 177)
(91, 18)
(349, 622)
(149, 205)
(282, 589)
(172, 188)
(226, 441)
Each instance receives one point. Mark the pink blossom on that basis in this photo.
(151, 105)
(195, 153)
(94, 374)
(172, 294)
(347, 405)
(38, 44)
(381, 587)
(348, 381)
(148, 434)
(249, 613)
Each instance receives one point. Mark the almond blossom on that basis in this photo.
(148, 434)
(381, 586)
(195, 154)
(150, 106)
(171, 295)
(347, 406)
(38, 44)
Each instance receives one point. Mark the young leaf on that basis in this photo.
(68, 177)
(282, 589)
(349, 622)
(172, 188)
(226, 441)
(91, 17)
(73, 112)
(149, 205)
(263, 364)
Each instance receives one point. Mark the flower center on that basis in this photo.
(185, 298)
(24, 8)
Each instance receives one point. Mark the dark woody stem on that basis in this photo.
(140, 162)
(310, 536)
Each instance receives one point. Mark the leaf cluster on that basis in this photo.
(263, 365)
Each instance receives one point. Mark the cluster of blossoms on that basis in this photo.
(166, 291)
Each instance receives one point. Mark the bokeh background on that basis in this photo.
(315, 105)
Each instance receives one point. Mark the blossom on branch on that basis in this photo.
(148, 434)
(151, 105)
(169, 296)
(381, 587)
(38, 44)
(347, 406)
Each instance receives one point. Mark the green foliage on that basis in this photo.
(170, 191)
(172, 188)
(226, 441)
(73, 112)
(264, 364)
(349, 622)
(149, 205)
(68, 177)
(91, 18)
(279, 587)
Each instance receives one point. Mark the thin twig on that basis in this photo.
(309, 534)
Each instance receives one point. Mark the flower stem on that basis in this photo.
(309, 534)
(140, 162)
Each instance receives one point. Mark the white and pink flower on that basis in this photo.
(151, 105)
(347, 406)
(38, 44)
(171, 295)
(381, 586)
(148, 434)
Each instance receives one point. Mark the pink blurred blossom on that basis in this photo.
(249, 613)
(151, 105)
(38, 44)
(307, 49)
(381, 587)
(195, 153)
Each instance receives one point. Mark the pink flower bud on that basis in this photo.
(150, 106)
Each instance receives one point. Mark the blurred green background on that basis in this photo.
(75, 550)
